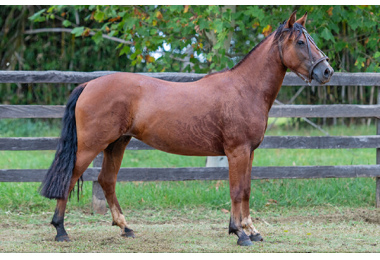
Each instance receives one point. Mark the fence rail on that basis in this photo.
(269, 142)
(206, 173)
(338, 79)
(203, 173)
(43, 111)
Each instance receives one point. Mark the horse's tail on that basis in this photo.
(57, 179)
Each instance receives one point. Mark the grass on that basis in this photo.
(357, 192)
(317, 215)
(311, 229)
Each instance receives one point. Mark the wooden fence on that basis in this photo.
(203, 173)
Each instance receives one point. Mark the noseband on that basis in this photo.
(313, 63)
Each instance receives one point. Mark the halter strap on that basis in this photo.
(313, 63)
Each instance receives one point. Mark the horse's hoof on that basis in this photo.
(246, 242)
(128, 233)
(64, 238)
(256, 237)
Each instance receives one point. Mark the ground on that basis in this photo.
(314, 229)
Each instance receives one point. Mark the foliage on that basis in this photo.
(216, 37)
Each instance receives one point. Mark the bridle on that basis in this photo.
(313, 63)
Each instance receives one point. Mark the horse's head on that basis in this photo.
(299, 53)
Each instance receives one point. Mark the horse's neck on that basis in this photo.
(263, 71)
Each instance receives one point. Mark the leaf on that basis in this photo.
(149, 59)
(326, 34)
(99, 16)
(329, 12)
(224, 211)
(334, 27)
(78, 31)
(267, 30)
(112, 33)
(186, 9)
(159, 15)
(217, 45)
(37, 16)
(66, 23)
(97, 37)
(202, 24)
(255, 11)
(355, 23)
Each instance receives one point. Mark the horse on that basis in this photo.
(224, 113)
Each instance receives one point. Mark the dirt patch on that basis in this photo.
(202, 230)
(360, 215)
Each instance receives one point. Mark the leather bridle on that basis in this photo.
(309, 40)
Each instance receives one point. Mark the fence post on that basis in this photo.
(99, 205)
(378, 155)
(216, 161)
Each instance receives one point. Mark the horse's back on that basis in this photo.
(181, 118)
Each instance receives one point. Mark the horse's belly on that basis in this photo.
(184, 145)
(183, 139)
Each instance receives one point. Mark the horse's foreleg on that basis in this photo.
(246, 222)
(113, 156)
(240, 165)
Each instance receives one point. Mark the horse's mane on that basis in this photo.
(277, 37)
(297, 28)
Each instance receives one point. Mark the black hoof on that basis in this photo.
(128, 233)
(64, 238)
(256, 237)
(245, 242)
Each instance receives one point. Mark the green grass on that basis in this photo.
(30, 127)
(357, 192)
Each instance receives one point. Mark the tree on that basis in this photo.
(219, 36)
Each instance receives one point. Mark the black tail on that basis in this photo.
(57, 180)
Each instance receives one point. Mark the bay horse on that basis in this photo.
(224, 113)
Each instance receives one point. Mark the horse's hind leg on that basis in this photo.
(113, 156)
(84, 158)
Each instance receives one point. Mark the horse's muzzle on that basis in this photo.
(322, 72)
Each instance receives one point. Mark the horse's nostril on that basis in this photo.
(327, 72)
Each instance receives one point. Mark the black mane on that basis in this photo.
(297, 28)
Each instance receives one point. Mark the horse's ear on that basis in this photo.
(292, 20)
(302, 20)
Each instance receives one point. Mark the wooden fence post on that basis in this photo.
(378, 155)
(99, 204)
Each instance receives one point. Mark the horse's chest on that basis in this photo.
(246, 127)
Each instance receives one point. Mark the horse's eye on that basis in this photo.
(300, 42)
